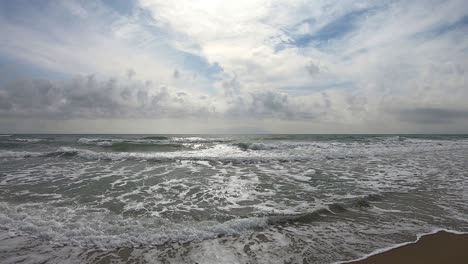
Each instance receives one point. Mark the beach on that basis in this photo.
(440, 247)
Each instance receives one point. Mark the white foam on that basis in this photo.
(28, 140)
(378, 209)
(189, 139)
(218, 151)
(19, 154)
(212, 252)
(81, 226)
(194, 185)
(110, 141)
(283, 151)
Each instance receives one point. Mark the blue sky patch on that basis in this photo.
(338, 28)
(123, 7)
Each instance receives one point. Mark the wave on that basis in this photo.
(157, 138)
(255, 146)
(96, 141)
(218, 152)
(199, 140)
(90, 227)
(19, 154)
(334, 208)
(28, 140)
(266, 143)
(342, 138)
(273, 137)
(244, 152)
(98, 227)
(189, 139)
(90, 154)
(146, 144)
(169, 142)
(269, 146)
(160, 147)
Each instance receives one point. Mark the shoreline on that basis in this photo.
(441, 244)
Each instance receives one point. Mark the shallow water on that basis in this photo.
(225, 198)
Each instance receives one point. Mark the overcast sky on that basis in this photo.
(243, 66)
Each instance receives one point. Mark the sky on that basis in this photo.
(244, 66)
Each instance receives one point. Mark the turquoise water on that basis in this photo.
(225, 198)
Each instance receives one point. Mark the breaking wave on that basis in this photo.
(158, 144)
(162, 143)
(267, 146)
(28, 140)
(156, 138)
(99, 227)
(334, 208)
(19, 154)
(243, 151)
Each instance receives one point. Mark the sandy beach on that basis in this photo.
(437, 248)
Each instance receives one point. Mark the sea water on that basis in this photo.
(225, 198)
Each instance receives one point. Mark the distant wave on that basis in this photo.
(149, 146)
(255, 146)
(19, 154)
(152, 140)
(243, 151)
(216, 153)
(156, 138)
(273, 137)
(270, 146)
(223, 153)
(129, 145)
(199, 140)
(95, 141)
(28, 140)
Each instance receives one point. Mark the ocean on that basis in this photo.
(225, 198)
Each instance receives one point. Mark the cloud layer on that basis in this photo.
(297, 66)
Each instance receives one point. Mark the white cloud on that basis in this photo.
(333, 64)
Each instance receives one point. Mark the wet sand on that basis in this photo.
(441, 247)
